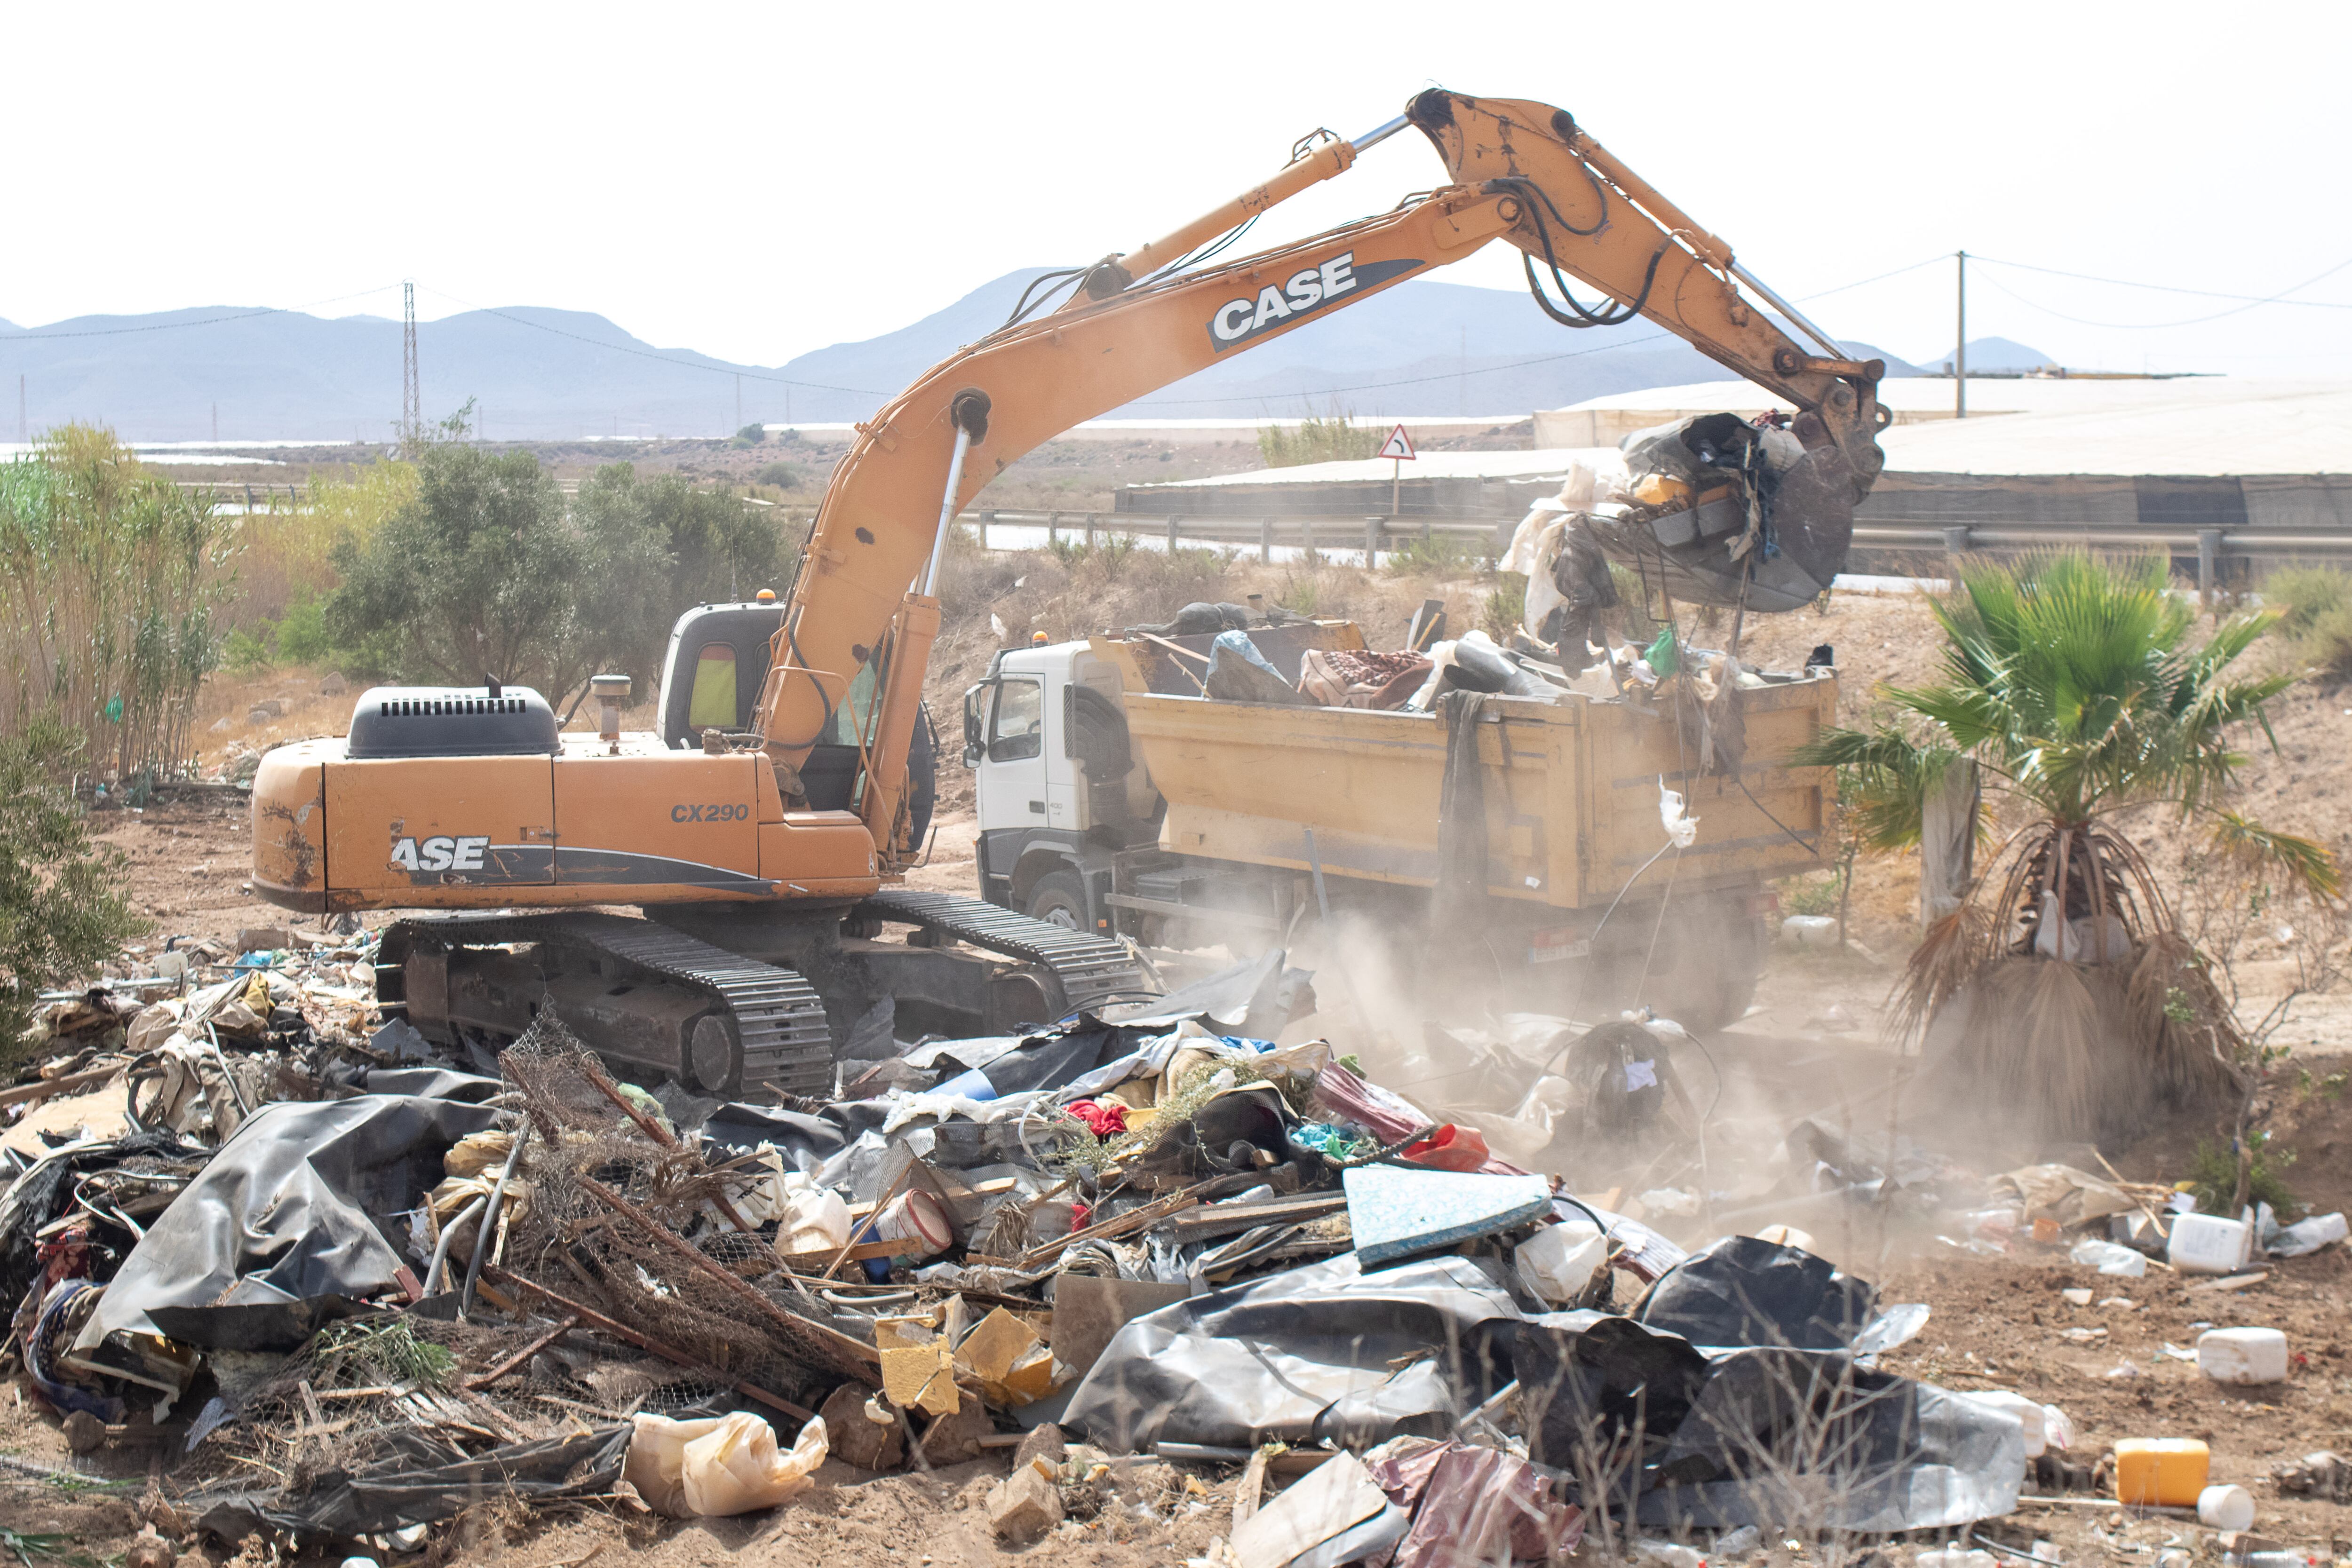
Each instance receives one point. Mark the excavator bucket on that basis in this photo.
(1731, 513)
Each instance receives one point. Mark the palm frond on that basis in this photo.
(2303, 862)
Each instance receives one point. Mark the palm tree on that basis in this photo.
(2061, 987)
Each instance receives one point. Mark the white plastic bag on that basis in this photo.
(2108, 1258)
(722, 1466)
(815, 1217)
(1682, 830)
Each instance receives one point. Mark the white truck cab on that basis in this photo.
(1057, 792)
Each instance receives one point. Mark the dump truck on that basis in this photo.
(1116, 799)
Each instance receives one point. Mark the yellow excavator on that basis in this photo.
(761, 828)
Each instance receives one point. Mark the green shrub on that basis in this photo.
(783, 476)
(1438, 555)
(2213, 1176)
(62, 908)
(749, 436)
(246, 652)
(302, 636)
(1506, 606)
(489, 570)
(1816, 894)
(2302, 595)
(1325, 440)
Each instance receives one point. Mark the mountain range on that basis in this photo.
(244, 374)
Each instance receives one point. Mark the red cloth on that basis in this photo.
(1386, 1117)
(1104, 1119)
(1450, 1149)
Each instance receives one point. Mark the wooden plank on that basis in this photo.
(1232, 1218)
(70, 1082)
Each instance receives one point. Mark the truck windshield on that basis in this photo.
(1013, 733)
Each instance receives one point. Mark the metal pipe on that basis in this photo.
(491, 1219)
(1373, 138)
(448, 1233)
(1828, 343)
(1322, 901)
(947, 510)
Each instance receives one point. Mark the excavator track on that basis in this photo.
(778, 1017)
(1092, 972)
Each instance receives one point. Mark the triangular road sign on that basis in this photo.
(1399, 445)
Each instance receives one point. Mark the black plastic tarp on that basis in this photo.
(302, 1202)
(1324, 1352)
(1756, 1435)
(1743, 1291)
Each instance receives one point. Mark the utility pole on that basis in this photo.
(738, 399)
(1960, 349)
(412, 417)
(23, 428)
(216, 422)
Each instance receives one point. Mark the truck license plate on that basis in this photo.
(1555, 945)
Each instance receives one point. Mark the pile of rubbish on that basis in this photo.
(2118, 1227)
(349, 1287)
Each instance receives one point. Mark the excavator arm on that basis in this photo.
(1521, 172)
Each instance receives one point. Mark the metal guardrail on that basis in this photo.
(2211, 545)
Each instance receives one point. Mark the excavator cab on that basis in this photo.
(716, 662)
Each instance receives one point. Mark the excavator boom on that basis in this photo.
(766, 851)
(1522, 171)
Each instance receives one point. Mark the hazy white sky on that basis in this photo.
(753, 181)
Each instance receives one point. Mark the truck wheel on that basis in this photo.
(1060, 899)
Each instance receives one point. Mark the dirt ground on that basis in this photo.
(1815, 1030)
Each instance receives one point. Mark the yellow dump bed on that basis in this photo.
(1570, 789)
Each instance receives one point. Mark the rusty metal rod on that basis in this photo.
(603, 1324)
(659, 1134)
(790, 1323)
(571, 1321)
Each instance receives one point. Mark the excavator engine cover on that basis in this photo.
(446, 721)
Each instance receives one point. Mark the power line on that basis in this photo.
(1841, 289)
(2278, 298)
(2145, 326)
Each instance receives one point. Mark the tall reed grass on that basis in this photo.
(110, 577)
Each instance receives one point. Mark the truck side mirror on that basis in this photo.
(973, 729)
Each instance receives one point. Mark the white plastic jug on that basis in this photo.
(1817, 930)
(2207, 1244)
(2242, 1356)
(2028, 1413)
(2226, 1507)
(814, 1216)
(714, 1468)
(1558, 1261)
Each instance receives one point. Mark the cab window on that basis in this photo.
(712, 705)
(853, 715)
(1015, 725)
